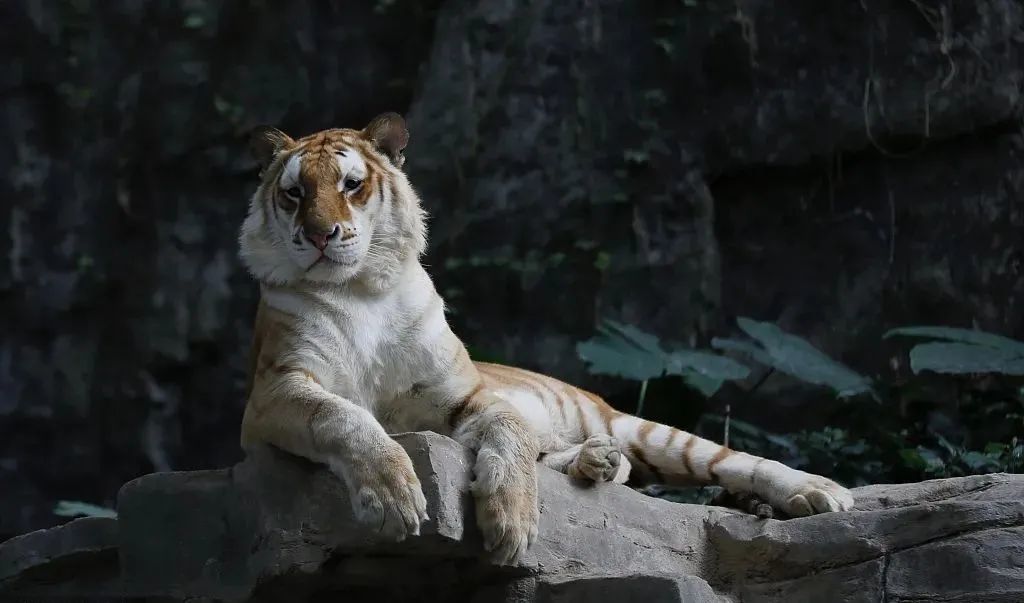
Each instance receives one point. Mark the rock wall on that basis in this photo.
(837, 168)
(796, 163)
(277, 528)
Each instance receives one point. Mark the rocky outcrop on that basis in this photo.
(278, 528)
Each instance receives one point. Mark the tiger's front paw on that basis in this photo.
(386, 494)
(506, 508)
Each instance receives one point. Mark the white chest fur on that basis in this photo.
(367, 347)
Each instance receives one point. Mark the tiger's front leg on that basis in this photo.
(505, 472)
(293, 412)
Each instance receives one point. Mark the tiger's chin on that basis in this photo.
(333, 269)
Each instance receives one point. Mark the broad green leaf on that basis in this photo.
(796, 357)
(704, 371)
(964, 351)
(979, 463)
(743, 347)
(623, 351)
(707, 386)
(962, 358)
(74, 508)
(610, 357)
(960, 335)
(709, 365)
(632, 335)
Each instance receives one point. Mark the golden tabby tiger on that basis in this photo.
(351, 344)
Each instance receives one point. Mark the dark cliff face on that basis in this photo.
(127, 177)
(838, 169)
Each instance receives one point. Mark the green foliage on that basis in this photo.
(530, 266)
(963, 359)
(703, 370)
(624, 351)
(971, 336)
(829, 451)
(900, 439)
(963, 352)
(75, 508)
(795, 357)
(857, 459)
(950, 460)
(699, 495)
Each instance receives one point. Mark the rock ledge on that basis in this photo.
(275, 527)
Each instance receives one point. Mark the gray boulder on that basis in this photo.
(276, 528)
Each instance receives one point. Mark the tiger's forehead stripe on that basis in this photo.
(318, 165)
(348, 141)
(326, 158)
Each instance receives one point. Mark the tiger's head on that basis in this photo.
(333, 206)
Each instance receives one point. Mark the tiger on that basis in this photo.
(351, 343)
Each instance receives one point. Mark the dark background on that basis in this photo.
(839, 167)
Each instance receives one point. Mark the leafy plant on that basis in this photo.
(856, 460)
(624, 351)
(911, 435)
(795, 357)
(951, 460)
(75, 508)
(963, 351)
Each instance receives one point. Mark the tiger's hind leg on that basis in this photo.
(598, 459)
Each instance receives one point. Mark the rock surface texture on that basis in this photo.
(275, 528)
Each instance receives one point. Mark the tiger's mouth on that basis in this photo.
(326, 259)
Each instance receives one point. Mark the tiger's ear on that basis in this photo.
(388, 133)
(266, 142)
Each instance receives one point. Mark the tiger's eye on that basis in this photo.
(352, 184)
(289, 201)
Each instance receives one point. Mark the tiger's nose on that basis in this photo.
(319, 238)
